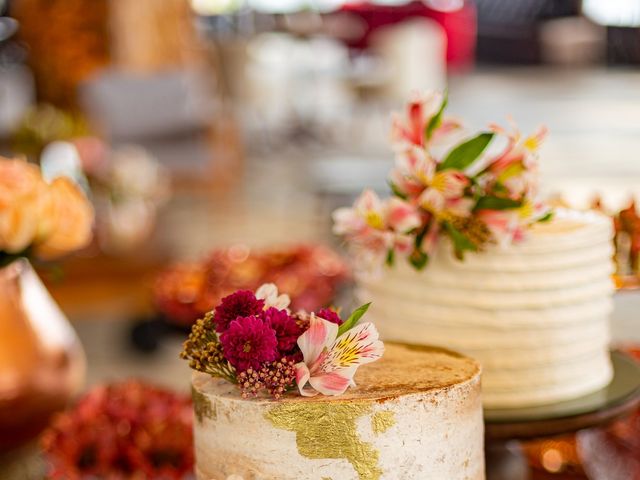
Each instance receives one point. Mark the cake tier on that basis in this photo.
(535, 314)
(414, 414)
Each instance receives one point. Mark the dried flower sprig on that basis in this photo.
(204, 351)
(276, 377)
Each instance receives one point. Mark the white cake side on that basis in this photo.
(370, 433)
(535, 314)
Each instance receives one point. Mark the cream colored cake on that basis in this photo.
(415, 414)
(535, 314)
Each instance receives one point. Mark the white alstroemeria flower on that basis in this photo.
(269, 293)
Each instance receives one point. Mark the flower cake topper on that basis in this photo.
(470, 196)
(254, 340)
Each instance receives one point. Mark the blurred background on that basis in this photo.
(241, 124)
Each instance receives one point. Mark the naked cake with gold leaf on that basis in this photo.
(305, 414)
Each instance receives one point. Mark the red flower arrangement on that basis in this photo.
(255, 341)
(127, 430)
(311, 274)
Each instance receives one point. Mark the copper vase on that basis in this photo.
(42, 364)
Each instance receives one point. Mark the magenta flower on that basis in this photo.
(329, 315)
(242, 303)
(286, 328)
(248, 343)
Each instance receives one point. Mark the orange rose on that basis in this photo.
(22, 192)
(70, 217)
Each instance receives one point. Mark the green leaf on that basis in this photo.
(353, 319)
(420, 236)
(496, 203)
(460, 241)
(467, 152)
(396, 191)
(391, 254)
(418, 259)
(436, 120)
(546, 218)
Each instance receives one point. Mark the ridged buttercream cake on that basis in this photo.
(535, 314)
(416, 414)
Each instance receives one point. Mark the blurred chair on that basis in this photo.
(508, 29)
(572, 41)
(169, 113)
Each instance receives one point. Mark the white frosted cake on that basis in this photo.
(535, 313)
(416, 414)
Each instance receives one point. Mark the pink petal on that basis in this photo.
(447, 126)
(346, 221)
(451, 183)
(460, 207)
(417, 122)
(320, 335)
(430, 240)
(432, 200)
(403, 244)
(401, 216)
(355, 347)
(333, 383)
(368, 201)
(500, 223)
(302, 378)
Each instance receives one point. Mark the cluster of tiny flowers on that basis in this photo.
(471, 227)
(204, 352)
(276, 377)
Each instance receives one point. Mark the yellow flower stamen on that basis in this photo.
(526, 210)
(374, 219)
(439, 182)
(531, 143)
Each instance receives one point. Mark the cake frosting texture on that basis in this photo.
(414, 414)
(535, 314)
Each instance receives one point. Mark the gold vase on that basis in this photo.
(42, 364)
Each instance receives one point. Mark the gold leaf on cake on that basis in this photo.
(382, 421)
(328, 430)
(202, 406)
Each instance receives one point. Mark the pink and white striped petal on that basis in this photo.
(402, 216)
(333, 383)
(302, 378)
(319, 336)
(353, 348)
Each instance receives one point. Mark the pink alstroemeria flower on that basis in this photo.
(445, 194)
(414, 168)
(330, 362)
(416, 177)
(410, 130)
(509, 226)
(375, 225)
(516, 167)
